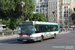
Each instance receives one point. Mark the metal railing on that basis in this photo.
(7, 33)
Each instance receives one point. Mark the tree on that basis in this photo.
(74, 9)
(39, 17)
(6, 22)
(11, 9)
(73, 15)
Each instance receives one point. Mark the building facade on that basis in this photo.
(44, 7)
(74, 5)
(58, 11)
(37, 6)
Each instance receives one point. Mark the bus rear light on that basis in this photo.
(24, 35)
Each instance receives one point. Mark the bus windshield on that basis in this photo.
(25, 29)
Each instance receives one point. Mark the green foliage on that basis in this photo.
(29, 8)
(74, 9)
(6, 22)
(11, 11)
(73, 16)
(39, 17)
(7, 28)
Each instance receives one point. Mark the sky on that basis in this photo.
(74, 1)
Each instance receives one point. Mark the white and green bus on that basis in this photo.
(36, 31)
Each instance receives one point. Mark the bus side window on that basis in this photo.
(53, 27)
(49, 29)
(56, 28)
(41, 28)
(44, 28)
(37, 29)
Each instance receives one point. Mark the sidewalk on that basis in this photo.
(8, 38)
(64, 32)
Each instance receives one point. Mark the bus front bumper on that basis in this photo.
(27, 38)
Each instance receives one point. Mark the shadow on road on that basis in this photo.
(25, 42)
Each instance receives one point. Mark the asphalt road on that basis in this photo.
(64, 41)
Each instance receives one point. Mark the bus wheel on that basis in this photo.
(41, 38)
(54, 36)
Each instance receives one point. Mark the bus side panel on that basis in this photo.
(55, 32)
(36, 36)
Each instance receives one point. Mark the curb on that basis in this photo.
(64, 32)
(8, 40)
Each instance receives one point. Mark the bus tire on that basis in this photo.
(54, 36)
(41, 38)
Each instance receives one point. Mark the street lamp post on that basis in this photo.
(54, 15)
(22, 5)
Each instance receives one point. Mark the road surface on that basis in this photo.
(64, 41)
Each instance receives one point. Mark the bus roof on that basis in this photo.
(41, 23)
(44, 23)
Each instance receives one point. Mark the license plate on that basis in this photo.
(24, 40)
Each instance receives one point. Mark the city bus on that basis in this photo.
(36, 31)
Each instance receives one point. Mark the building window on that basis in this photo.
(46, 0)
(46, 8)
(56, 6)
(64, 15)
(37, 6)
(56, 2)
(60, 23)
(60, 11)
(66, 1)
(64, 7)
(40, 0)
(67, 15)
(46, 5)
(61, 2)
(49, 7)
(65, 23)
(37, 10)
(49, 3)
(60, 15)
(60, 7)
